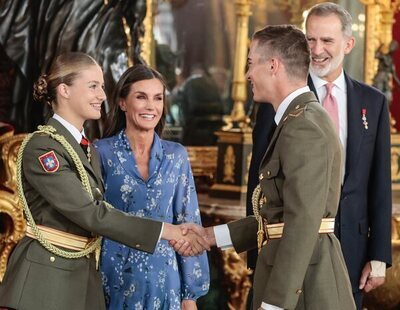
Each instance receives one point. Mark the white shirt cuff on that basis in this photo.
(223, 237)
(270, 307)
(161, 231)
(378, 269)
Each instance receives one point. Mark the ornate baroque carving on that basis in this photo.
(237, 276)
(12, 222)
(379, 23)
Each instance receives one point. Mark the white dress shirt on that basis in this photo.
(71, 128)
(339, 91)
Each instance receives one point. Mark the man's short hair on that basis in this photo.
(288, 43)
(328, 8)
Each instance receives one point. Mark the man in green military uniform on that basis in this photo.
(300, 265)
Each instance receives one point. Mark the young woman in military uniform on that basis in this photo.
(55, 266)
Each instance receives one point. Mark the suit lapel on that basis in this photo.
(312, 87)
(76, 146)
(355, 129)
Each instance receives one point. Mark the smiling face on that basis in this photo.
(328, 45)
(82, 100)
(144, 105)
(257, 74)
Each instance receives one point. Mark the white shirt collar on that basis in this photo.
(71, 128)
(285, 103)
(340, 82)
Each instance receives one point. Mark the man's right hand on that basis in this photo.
(187, 239)
(188, 229)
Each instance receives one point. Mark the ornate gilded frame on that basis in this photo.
(378, 32)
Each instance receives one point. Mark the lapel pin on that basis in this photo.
(364, 118)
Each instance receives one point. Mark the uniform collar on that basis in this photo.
(71, 128)
(286, 102)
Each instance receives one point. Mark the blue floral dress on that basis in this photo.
(137, 280)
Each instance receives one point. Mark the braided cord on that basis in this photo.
(257, 200)
(51, 131)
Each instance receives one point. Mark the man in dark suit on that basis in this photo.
(363, 222)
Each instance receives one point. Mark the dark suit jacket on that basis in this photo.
(363, 222)
(38, 279)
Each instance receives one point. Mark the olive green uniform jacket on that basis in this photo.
(36, 278)
(300, 176)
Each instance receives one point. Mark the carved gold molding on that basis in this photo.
(147, 41)
(238, 279)
(296, 9)
(229, 165)
(379, 25)
(238, 117)
(13, 227)
(12, 221)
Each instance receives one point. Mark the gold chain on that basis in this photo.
(51, 131)
(257, 200)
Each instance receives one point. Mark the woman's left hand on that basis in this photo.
(188, 304)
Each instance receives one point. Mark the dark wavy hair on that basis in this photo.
(115, 120)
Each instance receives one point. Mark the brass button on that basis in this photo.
(52, 259)
(98, 191)
(137, 246)
(261, 176)
(299, 291)
(268, 173)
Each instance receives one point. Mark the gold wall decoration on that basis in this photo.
(238, 278)
(12, 221)
(128, 41)
(229, 165)
(296, 9)
(147, 41)
(203, 160)
(238, 117)
(379, 25)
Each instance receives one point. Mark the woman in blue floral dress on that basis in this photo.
(147, 177)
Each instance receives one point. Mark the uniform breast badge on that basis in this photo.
(364, 118)
(49, 162)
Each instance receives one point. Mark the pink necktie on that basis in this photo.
(331, 106)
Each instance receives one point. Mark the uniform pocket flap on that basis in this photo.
(271, 169)
(39, 255)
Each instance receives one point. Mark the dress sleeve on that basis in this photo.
(195, 274)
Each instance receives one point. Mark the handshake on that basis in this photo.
(189, 239)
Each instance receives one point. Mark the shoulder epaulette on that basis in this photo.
(298, 110)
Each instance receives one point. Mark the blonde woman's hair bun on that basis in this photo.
(40, 92)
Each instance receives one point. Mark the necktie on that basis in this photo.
(85, 144)
(331, 106)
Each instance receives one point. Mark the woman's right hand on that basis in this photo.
(192, 243)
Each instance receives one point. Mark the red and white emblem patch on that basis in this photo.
(49, 162)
